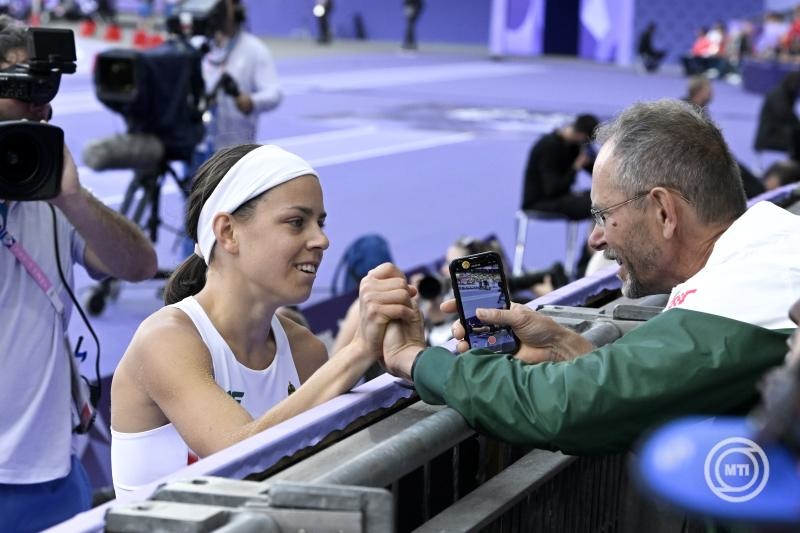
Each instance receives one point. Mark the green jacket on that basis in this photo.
(677, 363)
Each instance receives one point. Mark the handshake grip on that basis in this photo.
(228, 85)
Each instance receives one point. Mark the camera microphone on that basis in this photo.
(143, 152)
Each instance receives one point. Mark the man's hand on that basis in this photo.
(229, 85)
(401, 344)
(541, 338)
(582, 160)
(70, 184)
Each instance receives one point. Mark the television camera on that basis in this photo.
(161, 94)
(31, 153)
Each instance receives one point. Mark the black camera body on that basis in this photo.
(51, 52)
(31, 160)
(202, 17)
(158, 91)
(32, 153)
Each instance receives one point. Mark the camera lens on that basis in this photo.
(31, 160)
(19, 159)
(429, 287)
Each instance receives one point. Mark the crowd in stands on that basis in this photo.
(718, 50)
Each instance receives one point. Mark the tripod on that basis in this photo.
(142, 196)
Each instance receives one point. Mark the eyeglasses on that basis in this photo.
(599, 215)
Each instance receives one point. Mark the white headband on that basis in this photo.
(259, 170)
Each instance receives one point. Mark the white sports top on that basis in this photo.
(140, 458)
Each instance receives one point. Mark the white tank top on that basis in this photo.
(133, 461)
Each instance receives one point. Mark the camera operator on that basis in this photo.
(40, 483)
(240, 72)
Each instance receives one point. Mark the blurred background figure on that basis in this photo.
(777, 121)
(790, 42)
(240, 76)
(322, 12)
(699, 92)
(781, 173)
(412, 10)
(768, 42)
(553, 164)
(650, 56)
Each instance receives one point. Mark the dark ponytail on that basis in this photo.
(186, 280)
(190, 277)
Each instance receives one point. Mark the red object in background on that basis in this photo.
(156, 40)
(140, 39)
(113, 33)
(87, 28)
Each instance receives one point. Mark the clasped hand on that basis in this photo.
(391, 325)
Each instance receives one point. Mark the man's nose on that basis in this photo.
(597, 238)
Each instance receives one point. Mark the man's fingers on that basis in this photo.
(501, 317)
(458, 330)
(388, 312)
(462, 346)
(394, 296)
(449, 306)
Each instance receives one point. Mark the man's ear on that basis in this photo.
(666, 211)
(224, 231)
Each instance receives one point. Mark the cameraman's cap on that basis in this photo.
(258, 171)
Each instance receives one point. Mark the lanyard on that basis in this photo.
(31, 266)
(229, 46)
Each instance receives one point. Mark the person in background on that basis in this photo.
(240, 71)
(781, 173)
(699, 92)
(651, 57)
(412, 9)
(322, 12)
(552, 166)
(777, 121)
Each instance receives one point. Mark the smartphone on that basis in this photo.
(480, 281)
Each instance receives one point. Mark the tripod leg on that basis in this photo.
(130, 192)
(153, 193)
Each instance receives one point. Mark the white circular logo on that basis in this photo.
(736, 469)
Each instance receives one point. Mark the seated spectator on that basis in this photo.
(781, 173)
(699, 92)
(741, 43)
(218, 365)
(552, 166)
(790, 42)
(768, 43)
(671, 211)
(651, 57)
(777, 121)
(695, 62)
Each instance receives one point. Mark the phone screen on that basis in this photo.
(479, 281)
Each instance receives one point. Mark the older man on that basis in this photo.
(669, 208)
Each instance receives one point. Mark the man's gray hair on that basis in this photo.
(12, 36)
(670, 143)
